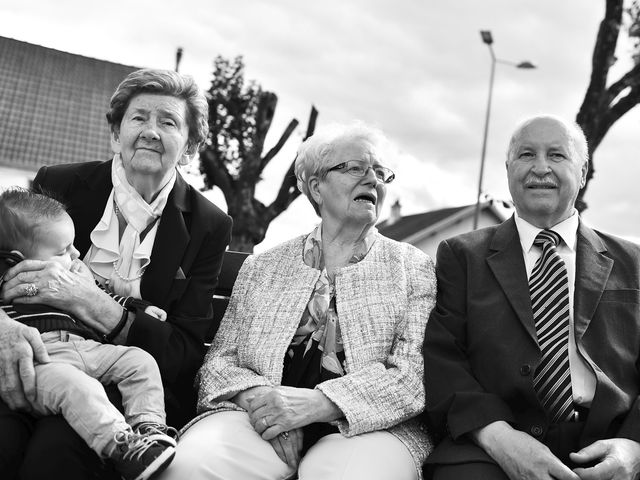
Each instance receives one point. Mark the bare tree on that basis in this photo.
(606, 101)
(240, 115)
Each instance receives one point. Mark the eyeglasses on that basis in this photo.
(358, 168)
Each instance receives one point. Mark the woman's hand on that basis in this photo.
(56, 286)
(20, 346)
(283, 409)
(289, 443)
(73, 291)
(244, 398)
(288, 447)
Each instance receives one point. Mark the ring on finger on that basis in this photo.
(31, 290)
(285, 435)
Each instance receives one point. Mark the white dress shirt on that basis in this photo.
(583, 379)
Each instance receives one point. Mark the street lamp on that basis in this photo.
(488, 39)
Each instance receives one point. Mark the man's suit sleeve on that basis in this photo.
(455, 399)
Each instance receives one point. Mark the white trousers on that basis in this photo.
(224, 446)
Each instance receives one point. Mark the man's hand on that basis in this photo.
(520, 455)
(20, 347)
(618, 459)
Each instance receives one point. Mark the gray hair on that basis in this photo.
(316, 154)
(578, 142)
(164, 82)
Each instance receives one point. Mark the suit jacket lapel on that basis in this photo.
(88, 205)
(170, 244)
(592, 272)
(507, 264)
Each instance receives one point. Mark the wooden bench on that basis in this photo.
(230, 267)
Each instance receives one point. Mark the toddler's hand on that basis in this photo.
(156, 312)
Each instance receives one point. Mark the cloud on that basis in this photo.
(416, 69)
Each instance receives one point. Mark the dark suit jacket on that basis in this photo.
(192, 235)
(480, 344)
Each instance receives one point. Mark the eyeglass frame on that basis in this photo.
(344, 166)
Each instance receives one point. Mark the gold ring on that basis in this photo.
(31, 290)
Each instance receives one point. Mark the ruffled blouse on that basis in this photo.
(105, 250)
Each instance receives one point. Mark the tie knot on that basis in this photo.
(545, 237)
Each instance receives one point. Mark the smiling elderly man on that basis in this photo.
(532, 352)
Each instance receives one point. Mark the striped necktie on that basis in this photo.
(549, 288)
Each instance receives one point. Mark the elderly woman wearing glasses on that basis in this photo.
(317, 367)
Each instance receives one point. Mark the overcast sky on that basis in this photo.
(417, 69)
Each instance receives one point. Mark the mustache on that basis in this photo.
(540, 182)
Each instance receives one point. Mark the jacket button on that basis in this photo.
(536, 431)
(525, 370)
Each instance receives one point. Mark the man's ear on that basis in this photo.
(585, 170)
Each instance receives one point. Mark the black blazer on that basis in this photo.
(481, 347)
(192, 235)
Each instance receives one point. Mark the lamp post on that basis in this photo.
(488, 39)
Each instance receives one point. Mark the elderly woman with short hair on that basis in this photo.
(142, 231)
(317, 367)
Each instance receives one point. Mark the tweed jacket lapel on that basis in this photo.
(592, 272)
(170, 245)
(507, 264)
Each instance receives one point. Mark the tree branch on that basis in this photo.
(215, 173)
(311, 125)
(603, 58)
(623, 105)
(266, 109)
(629, 79)
(289, 188)
(283, 139)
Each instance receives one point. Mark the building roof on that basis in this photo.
(404, 227)
(53, 105)
(421, 225)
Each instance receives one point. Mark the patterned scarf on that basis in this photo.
(320, 319)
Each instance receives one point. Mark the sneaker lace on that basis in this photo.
(134, 444)
(158, 428)
(149, 428)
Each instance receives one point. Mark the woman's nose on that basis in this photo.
(370, 175)
(149, 132)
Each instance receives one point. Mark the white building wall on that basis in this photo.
(429, 245)
(10, 177)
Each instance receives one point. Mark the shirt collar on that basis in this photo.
(567, 229)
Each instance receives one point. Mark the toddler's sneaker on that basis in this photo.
(141, 456)
(160, 429)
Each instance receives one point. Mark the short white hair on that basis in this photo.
(578, 140)
(315, 155)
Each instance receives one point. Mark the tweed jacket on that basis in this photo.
(383, 304)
